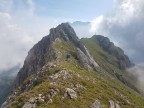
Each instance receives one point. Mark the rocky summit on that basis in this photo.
(122, 60)
(63, 71)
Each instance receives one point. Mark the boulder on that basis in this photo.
(30, 104)
(96, 104)
(70, 93)
(50, 101)
(113, 104)
(117, 105)
(40, 98)
(63, 74)
(53, 92)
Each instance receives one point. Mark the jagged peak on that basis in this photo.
(65, 31)
(65, 25)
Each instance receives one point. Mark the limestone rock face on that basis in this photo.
(86, 60)
(108, 46)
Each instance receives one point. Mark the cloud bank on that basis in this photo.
(137, 73)
(20, 29)
(124, 25)
(14, 42)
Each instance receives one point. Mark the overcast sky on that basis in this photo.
(25, 22)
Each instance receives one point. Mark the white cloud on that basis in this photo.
(16, 39)
(31, 7)
(14, 43)
(95, 24)
(19, 31)
(124, 25)
(5, 5)
(137, 72)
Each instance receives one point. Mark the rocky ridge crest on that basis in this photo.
(43, 52)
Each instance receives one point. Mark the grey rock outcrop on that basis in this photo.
(63, 74)
(50, 101)
(96, 104)
(30, 104)
(122, 60)
(40, 98)
(86, 60)
(117, 106)
(113, 104)
(70, 93)
(53, 92)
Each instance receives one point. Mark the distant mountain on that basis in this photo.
(12, 72)
(80, 23)
(6, 80)
(121, 59)
(63, 71)
(82, 28)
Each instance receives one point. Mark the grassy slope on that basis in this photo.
(98, 85)
(106, 61)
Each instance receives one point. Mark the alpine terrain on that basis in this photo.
(63, 71)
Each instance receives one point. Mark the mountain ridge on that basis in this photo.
(48, 79)
(42, 52)
(108, 46)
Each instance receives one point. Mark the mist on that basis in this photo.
(138, 73)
